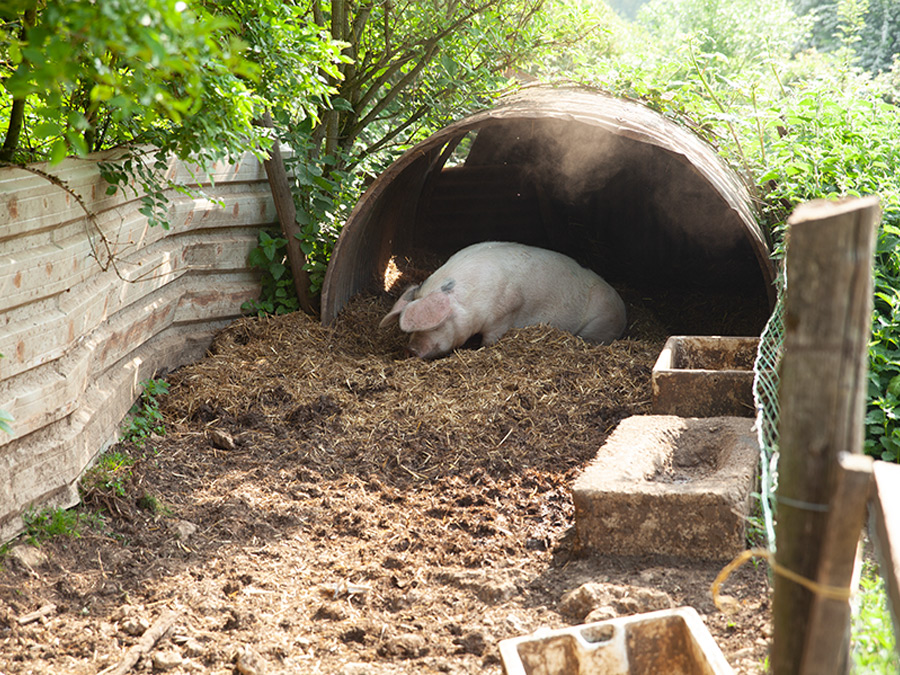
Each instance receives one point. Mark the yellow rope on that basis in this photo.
(727, 604)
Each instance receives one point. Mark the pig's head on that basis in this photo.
(429, 320)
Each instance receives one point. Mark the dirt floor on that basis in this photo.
(322, 504)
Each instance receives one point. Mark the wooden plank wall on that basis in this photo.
(78, 340)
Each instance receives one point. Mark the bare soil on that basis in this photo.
(322, 504)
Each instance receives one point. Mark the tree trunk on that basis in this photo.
(17, 113)
(13, 131)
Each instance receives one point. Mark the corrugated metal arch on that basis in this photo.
(614, 184)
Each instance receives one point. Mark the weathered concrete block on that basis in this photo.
(669, 485)
(705, 376)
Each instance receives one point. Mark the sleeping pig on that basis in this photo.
(490, 287)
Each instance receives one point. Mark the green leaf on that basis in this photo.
(893, 387)
(58, 151)
(277, 270)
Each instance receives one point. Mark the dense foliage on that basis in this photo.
(872, 26)
(349, 84)
(799, 124)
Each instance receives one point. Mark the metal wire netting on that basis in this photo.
(765, 397)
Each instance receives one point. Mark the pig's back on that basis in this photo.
(522, 285)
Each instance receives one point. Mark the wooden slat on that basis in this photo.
(828, 641)
(41, 331)
(884, 518)
(29, 202)
(40, 270)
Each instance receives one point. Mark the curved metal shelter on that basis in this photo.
(615, 185)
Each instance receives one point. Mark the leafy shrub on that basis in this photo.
(277, 295)
(797, 126)
(145, 418)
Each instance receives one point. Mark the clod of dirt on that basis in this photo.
(642, 600)
(474, 642)
(601, 614)
(29, 558)
(193, 647)
(135, 625)
(221, 439)
(332, 611)
(405, 646)
(355, 634)
(492, 587)
(248, 662)
(166, 660)
(184, 530)
(578, 603)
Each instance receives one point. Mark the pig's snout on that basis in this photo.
(425, 347)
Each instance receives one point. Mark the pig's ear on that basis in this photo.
(426, 313)
(399, 306)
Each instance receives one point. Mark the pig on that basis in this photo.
(490, 287)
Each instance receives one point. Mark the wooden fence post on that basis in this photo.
(828, 313)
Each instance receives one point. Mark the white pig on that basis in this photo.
(490, 287)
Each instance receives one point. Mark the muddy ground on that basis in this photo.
(322, 504)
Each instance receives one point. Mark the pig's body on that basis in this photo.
(491, 287)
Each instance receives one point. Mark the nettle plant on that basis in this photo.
(277, 295)
(145, 417)
(798, 127)
(842, 141)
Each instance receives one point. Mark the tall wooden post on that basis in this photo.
(287, 215)
(828, 313)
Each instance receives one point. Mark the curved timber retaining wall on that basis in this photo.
(77, 339)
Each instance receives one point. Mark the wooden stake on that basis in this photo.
(828, 313)
(828, 638)
(287, 216)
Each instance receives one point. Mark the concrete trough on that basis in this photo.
(705, 376)
(672, 641)
(669, 485)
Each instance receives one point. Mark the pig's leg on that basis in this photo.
(497, 330)
(602, 329)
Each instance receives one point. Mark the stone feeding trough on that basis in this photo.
(705, 376)
(673, 641)
(669, 485)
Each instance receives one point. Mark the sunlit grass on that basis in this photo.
(873, 644)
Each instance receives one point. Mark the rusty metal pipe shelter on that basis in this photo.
(615, 185)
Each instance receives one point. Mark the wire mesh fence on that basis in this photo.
(765, 397)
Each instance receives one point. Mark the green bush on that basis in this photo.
(798, 125)
(145, 418)
(277, 294)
